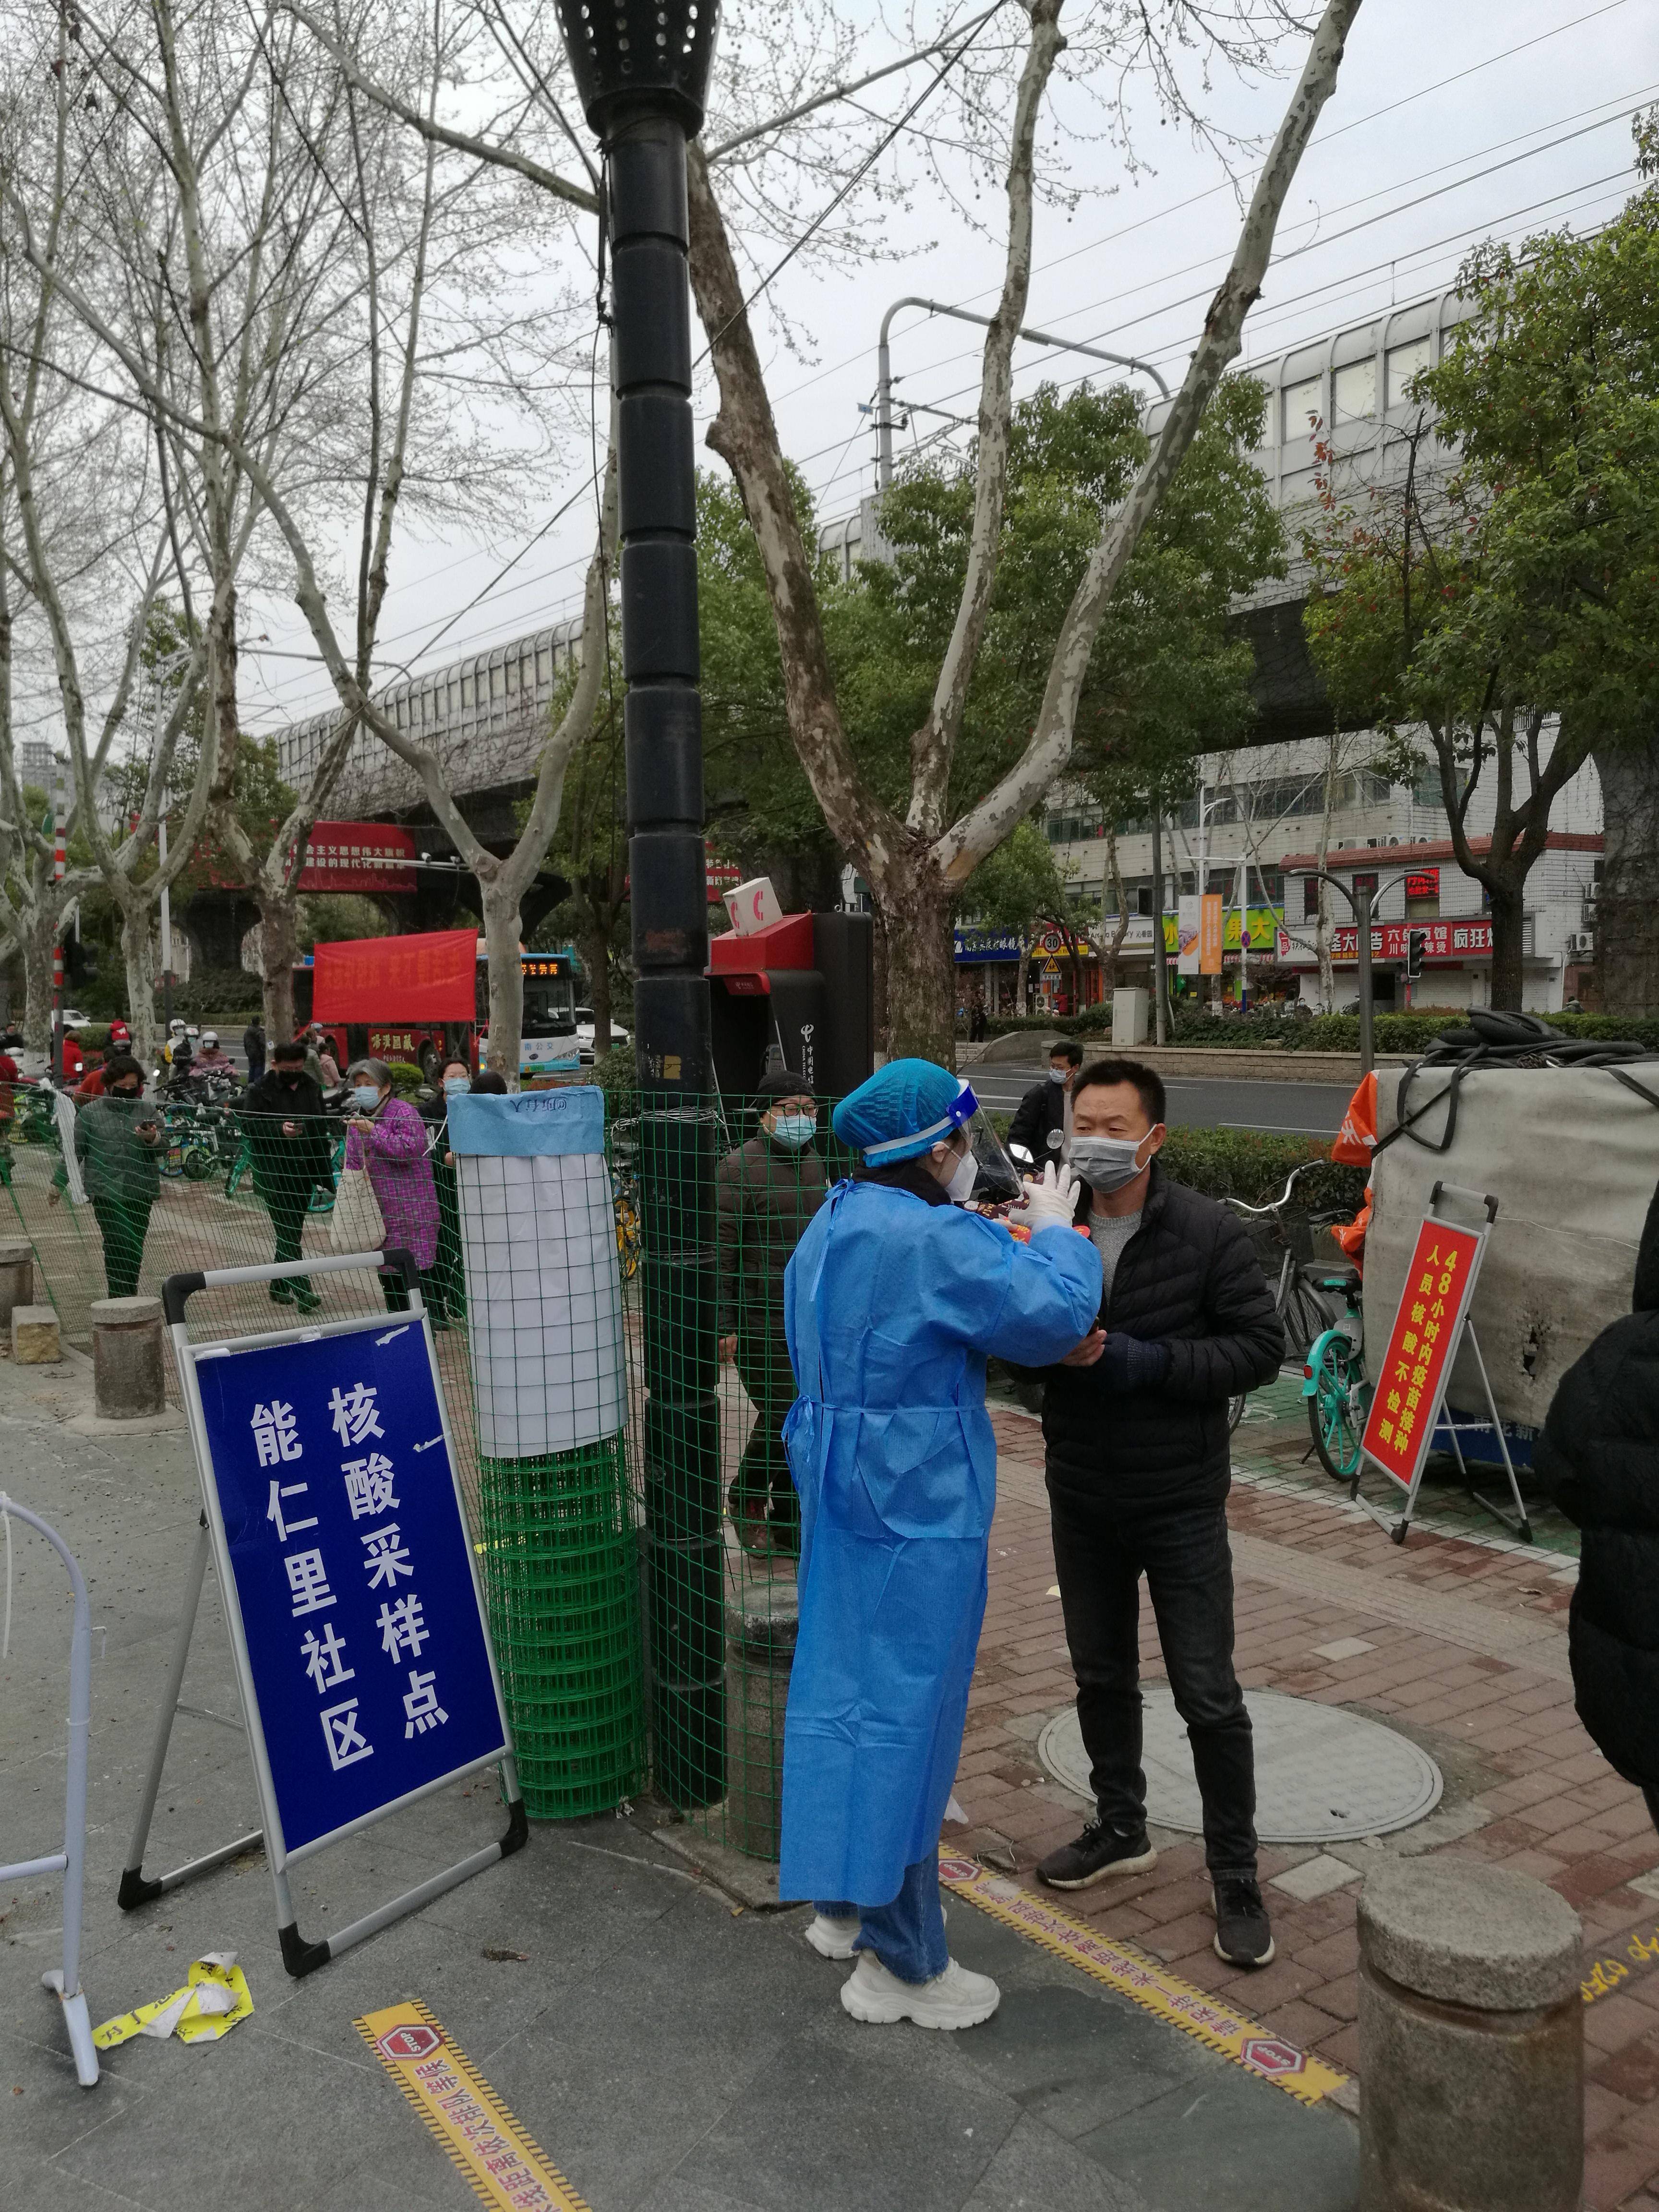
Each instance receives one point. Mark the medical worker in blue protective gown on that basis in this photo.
(893, 1299)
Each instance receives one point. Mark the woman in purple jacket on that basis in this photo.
(388, 1137)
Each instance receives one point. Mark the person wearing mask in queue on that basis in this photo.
(1598, 1458)
(387, 1136)
(119, 1140)
(321, 1063)
(894, 1299)
(455, 1080)
(94, 1078)
(94, 1082)
(253, 1045)
(287, 1133)
(765, 1194)
(1042, 1127)
(1135, 1426)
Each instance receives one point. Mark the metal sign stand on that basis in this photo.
(70, 1861)
(1438, 1413)
(298, 1955)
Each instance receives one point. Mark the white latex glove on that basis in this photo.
(1051, 1203)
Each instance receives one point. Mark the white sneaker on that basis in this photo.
(833, 1939)
(956, 1998)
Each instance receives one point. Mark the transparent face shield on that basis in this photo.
(997, 1181)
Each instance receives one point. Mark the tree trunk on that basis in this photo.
(502, 932)
(1508, 937)
(1627, 901)
(36, 978)
(922, 984)
(279, 948)
(138, 951)
(594, 945)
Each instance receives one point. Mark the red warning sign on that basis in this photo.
(1411, 1377)
(410, 2039)
(1272, 2055)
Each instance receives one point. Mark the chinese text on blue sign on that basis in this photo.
(352, 1570)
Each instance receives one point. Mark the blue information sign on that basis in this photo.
(353, 1572)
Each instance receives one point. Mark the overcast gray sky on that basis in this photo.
(1449, 124)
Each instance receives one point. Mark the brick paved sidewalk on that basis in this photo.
(1465, 1653)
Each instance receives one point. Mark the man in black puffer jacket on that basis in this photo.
(1599, 1458)
(1135, 1421)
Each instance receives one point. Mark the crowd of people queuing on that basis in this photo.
(300, 1124)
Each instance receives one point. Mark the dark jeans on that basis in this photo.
(762, 1474)
(123, 1224)
(288, 1221)
(1185, 1556)
(432, 1293)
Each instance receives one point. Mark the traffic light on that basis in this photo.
(1416, 942)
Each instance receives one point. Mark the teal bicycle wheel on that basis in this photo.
(1337, 1408)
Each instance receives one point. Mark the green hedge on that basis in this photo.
(1394, 1033)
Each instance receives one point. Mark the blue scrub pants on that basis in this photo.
(908, 1935)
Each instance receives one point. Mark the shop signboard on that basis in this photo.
(1444, 940)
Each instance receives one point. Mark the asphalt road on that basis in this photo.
(1198, 1102)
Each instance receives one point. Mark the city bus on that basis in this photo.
(407, 998)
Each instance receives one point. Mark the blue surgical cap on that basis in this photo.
(902, 1112)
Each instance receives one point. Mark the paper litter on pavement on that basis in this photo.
(215, 1996)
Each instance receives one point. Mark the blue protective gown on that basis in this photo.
(891, 1307)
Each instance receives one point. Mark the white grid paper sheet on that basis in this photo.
(538, 1236)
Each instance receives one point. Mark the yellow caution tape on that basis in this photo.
(215, 1997)
(505, 2165)
(1209, 2020)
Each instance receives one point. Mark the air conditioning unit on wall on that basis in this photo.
(1582, 942)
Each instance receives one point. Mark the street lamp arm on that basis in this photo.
(884, 366)
(1036, 338)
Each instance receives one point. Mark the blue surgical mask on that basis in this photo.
(1106, 1163)
(796, 1129)
(1058, 1074)
(364, 1095)
(456, 1086)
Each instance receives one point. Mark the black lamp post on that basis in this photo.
(641, 70)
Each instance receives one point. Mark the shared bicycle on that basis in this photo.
(1318, 1305)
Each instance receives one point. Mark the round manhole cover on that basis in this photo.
(1323, 1775)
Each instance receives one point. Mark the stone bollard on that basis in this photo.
(16, 1280)
(34, 1336)
(1471, 2041)
(129, 1378)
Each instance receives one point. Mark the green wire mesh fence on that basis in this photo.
(640, 1567)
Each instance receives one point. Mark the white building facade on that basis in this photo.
(1252, 837)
